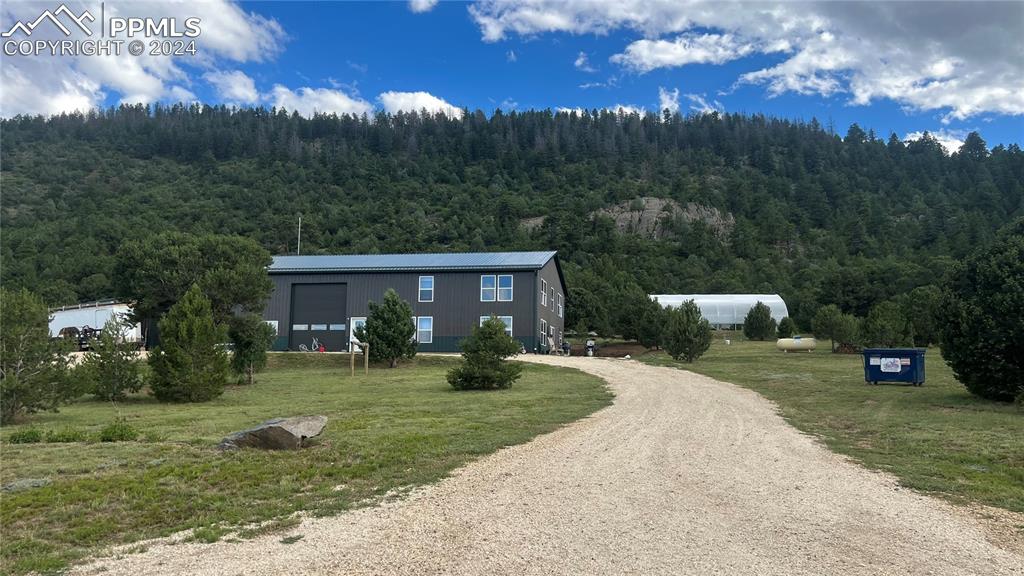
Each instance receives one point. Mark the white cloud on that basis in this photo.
(420, 6)
(49, 85)
(646, 55)
(699, 104)
(234, 86)
(668, 100)
(583, 64)
(626, 109)
(394, 102)
(959, 58)
(47, 92)
(951, 140)
(310, 101)
(511, 56)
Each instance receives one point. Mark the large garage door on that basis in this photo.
(318, 312)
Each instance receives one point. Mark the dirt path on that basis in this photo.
(682, 475)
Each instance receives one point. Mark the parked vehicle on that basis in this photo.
(81, 323)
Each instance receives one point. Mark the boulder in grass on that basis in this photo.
(276, 434)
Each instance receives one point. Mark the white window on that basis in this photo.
(426, 288)
(543, 328)
(552, 290)
(425, 329)
(337, 328)
(487, 288)
(298, 327)
(505, 288)
(559, 305)
(506, 320)
(318, 327)
(273, 324)
(543, 292)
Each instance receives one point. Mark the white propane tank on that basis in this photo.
(796, 344)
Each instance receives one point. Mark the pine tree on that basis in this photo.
(190, 364)
(485, 353)
(787, 328)
(687, 334)
(251, 338)
(389, 330)
(651, 328)
(33, 368)
(826, 323)
(112, 363)
(847, 332)
(887, 326)
(759, 324)
(980, 318)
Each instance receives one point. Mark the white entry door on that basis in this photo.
(354, 323)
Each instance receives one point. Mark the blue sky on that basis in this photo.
(891, 68)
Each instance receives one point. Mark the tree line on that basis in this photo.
(98, 204)
(817, 217)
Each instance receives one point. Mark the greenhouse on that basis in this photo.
(726, 310)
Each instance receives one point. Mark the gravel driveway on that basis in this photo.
(682, 475)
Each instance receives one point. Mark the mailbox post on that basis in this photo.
(365, 347)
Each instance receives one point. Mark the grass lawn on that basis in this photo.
(936, 438)
(391, 429)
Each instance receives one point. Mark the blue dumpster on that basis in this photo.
(894, 365)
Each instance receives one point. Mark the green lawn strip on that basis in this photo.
(390, 429)
(937, 438)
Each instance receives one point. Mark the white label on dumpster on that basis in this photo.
(890, 365)
(874, 361)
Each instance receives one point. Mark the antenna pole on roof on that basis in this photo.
(298, 248)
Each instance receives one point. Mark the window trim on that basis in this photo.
(560, 309)
(420, 289)
(544, 327)
(552, 297)
(543, 292)
(494, 290)
(511, 287)
(418, 330)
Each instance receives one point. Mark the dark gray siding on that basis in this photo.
(549, 312)
(456, 307)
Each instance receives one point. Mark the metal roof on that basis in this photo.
(411, 262)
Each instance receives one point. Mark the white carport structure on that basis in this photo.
(726, 310)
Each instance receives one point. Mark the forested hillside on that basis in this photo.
(819, 217)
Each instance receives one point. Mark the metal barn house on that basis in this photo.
(326, 297)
